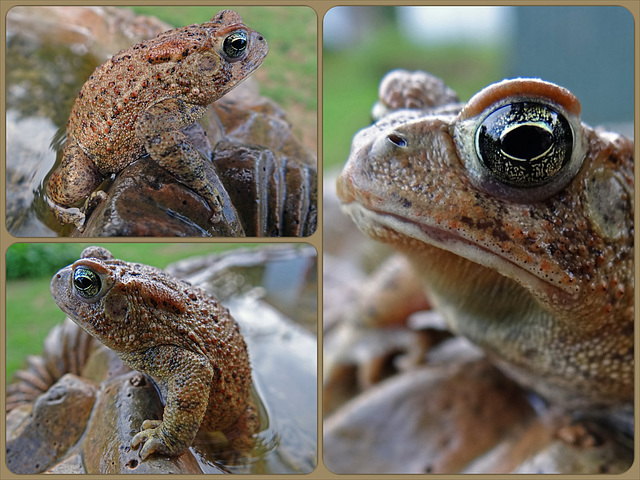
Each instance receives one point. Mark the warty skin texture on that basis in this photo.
(177, 334)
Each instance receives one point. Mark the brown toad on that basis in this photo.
(177, 334)
(139, 101)
(518, 218)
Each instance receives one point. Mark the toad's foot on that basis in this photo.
(154, 439)
(215, 204)
(159, 129)
(77, 216)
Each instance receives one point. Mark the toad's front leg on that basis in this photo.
(159, 128)
(188, 377)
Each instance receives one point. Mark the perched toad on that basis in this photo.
(177, 334)
(519, 220)
(139, 101)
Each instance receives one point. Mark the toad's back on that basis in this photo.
(185, 63)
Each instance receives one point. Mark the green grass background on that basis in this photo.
(31, 312)
(351, 76)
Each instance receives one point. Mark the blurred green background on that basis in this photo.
(352, 72)
(31, 312)
(289, 73)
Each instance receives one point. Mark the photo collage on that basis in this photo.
(318, 239)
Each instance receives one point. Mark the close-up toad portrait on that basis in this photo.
(206, 366)
(147, 128)
(489, 325)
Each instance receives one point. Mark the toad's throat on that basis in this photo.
(379, 224)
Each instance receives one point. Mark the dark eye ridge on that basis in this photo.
(235, 44)
(524, 144)
(86, 282)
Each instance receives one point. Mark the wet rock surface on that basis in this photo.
(448, 415)
(462, 418)
(48, 64)
(60, 422)
(98, 31)
(124, 403)
(45, 432)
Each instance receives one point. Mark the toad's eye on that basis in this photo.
(524, 144)
(235, 44)
(86, 282)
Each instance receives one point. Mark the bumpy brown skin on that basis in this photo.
(543, 278)
(177, 334)
(138, 102)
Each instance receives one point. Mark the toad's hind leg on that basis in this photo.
(241, 434)
(73, 181)
(159, 130)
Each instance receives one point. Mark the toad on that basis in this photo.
(177, 334)
(518, 218)
(138, 102)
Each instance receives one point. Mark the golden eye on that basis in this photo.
(524, 144)
(235, 44)
(86, 282)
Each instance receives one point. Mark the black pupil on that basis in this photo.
(235, 44)
(238, 43)
(83, 283)
(527, 142)
(397, 140)
(524, 144)
(86, 282)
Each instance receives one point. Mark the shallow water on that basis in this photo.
(285, 390)
(43, 80)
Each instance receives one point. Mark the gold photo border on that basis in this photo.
(320, 7)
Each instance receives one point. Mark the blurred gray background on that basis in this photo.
(589, 50)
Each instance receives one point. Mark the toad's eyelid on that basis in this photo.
(521, 88)
(94, 265)
(231, 28)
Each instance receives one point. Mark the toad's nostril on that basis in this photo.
(397, 140)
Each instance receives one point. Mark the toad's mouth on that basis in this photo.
(385, 226)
